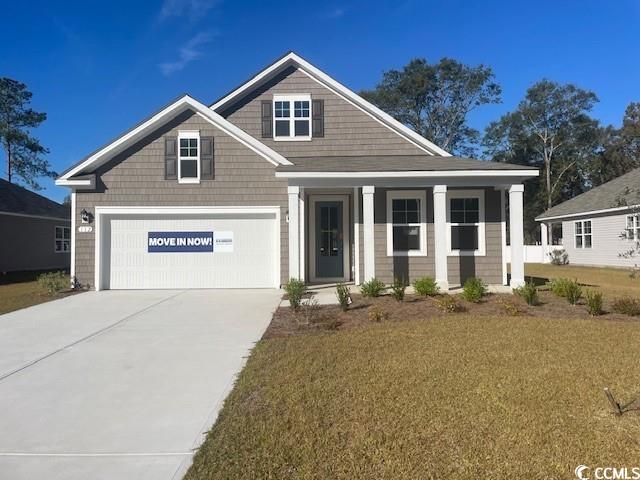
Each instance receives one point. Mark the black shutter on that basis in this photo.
(206, 158)
(170, 158)
(266, 115)
(317, 118)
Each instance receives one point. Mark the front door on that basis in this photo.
(329, 240)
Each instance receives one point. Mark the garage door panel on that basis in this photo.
(252, 264)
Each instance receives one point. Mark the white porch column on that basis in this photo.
(302, 229)
(516, 235)
(368, 232)
(440, 234)
(294, 232)
(544, 241)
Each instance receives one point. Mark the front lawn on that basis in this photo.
(20, 290)
(611, 281)
(431, 396)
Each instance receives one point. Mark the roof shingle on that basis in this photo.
(618, 192)
(19, 200)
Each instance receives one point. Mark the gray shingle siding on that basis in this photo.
(136, 178)
(347, 130)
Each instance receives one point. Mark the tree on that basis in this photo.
(23, 152)
(435, 100)
(621, 152)
(550, 129)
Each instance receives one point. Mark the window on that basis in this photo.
(633, 227)
(63, 239)
(465, 217)
(292, 117)
(189, 157)
(583, 233)
(406, 223)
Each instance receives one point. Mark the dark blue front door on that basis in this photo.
(329, 240)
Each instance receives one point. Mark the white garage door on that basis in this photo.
(178, 251)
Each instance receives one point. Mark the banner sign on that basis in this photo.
(179, 242)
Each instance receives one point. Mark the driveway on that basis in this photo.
(120, 384)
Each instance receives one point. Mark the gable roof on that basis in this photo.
(105, 153)
(16, 200)
(295, 60)
(617, 194)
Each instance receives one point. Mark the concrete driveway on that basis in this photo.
(120, 384)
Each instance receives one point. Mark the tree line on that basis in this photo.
(551, 128)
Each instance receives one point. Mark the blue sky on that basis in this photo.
(97, 68)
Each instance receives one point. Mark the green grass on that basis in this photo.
(610, 281)
(20, 290)
(451, 397)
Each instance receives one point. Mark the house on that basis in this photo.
(600, 225)
(36, 231)
(290, 175)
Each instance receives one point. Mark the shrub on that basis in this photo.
(53, 282)
(344, 296)
(559, 286)
(426, 286)
(509, 307)
(528, 292)
(295, 289)
(448, 304)
(310, 307)
(573, 292)
(594, 302)
(377, 314)
(474, 289)
(626, 306)
(372, 288)
(559, 257)
(397, 289)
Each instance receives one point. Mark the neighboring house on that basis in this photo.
(599, 225)
(290, 175)
(36, 231)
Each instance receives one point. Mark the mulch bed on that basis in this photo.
(286, 322)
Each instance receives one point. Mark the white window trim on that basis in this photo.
(634, 230)
(421, 195)
(188, 134)
(62, 239)
(481, 250)
(291, 98)
(583, 235)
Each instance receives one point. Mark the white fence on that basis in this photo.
(534, 253)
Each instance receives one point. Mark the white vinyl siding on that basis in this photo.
(608, 242)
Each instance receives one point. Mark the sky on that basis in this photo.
(98, 68)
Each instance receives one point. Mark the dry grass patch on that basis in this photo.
(21, 290)
(610, 281)
(456, 396)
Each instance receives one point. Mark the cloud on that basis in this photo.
(192, 9)
(337, 12)
(189, 52)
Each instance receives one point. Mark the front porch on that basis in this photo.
(344, 230)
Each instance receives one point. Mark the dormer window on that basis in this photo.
(292, 117)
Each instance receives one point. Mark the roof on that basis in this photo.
(182, 104)
(295, 60)
(385, 163)
(17, 200)
(617, 194)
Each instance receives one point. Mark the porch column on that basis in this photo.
(294, 231)
(302, 229)
(368, 232)
(544, 241)
(440, 235)
(516, 235)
